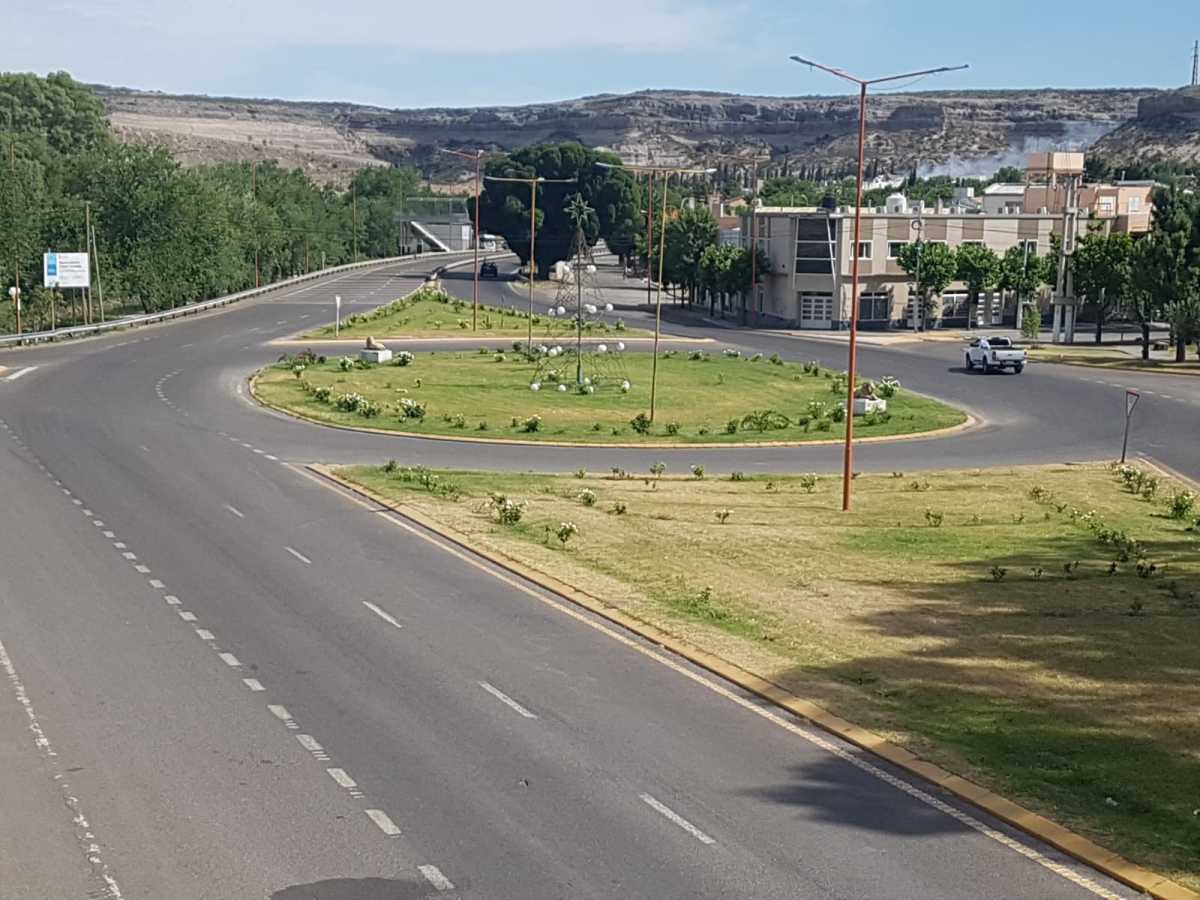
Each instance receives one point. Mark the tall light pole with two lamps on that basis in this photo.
(852, 365)
(666, 172)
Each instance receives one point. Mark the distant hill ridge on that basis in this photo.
(959, 132)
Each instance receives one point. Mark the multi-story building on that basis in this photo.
(807, 284)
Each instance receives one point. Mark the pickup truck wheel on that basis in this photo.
(1019, 368)
(970, 365)
(987, 367)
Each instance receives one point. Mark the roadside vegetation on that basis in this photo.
(1035, 629)
(1111, 359)
(703, 396)
(433, 313)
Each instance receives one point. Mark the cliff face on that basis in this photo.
(1166, 129)
(942, 129)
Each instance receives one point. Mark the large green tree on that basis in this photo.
(688, 235)
(932, 267)
(978, 267)
(1100, 266)
(1023, 273)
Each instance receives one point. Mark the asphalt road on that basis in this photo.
(225, 679)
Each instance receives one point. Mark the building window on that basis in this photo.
(954, 306)
(875, 306)
(1030, 247)
(864, 249)
(813, 250)
(1107, 205)
(1135, 205)
(894, 248)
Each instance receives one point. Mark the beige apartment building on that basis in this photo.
(809, 278)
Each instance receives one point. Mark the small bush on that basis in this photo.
(776, 359)
(731, 426)
(349, 402)
(390, 466)
(508, 511)
(618, 508)
(411, 409)
(808, 481)
(640, 423)
(737, 476)
(934, 518)
(918, 486)
(586, 497)
(998, 573)
(1180, 504)
(672, 428)
(723, 515)
(698, 472)
(345, 363)
(697, 356)
(566, 531)
(658, 468)
(731, 353)
(581, 473)
(322, 394)
(761, 420)
(888, 387)
(532, 424)
(403, 358)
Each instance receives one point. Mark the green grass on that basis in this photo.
(430, 313)
(481, 394)
(996, 644)
(1113, 359)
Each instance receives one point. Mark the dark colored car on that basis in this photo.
(488, 270)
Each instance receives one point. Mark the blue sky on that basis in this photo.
(476, 52)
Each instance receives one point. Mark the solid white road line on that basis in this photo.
(507, 700)
(386, 825)
(340, 776)
(679, 820)
(236, 512)
(20, 373)
(300, 556)
(230, 660)
(387, 617)
(253, 683)
(435, 877)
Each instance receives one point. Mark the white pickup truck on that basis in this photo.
(995, 353)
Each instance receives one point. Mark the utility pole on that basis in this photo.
(918, 224)
(851, 369)
(666, 172)
(1196, 64)
(99, 283)
(254, 207)
(354, 218)
(533, 182)
(478, 157)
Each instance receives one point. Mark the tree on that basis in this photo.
(979, 267)
(1100, 265)
(718, 266)
(933, 267)
(1166, 270)
(1024, 273)
(1008, 175)
(688, 235)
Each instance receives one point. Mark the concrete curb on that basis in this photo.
(1030, 823)
(971, 423)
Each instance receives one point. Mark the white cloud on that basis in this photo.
(457, 27)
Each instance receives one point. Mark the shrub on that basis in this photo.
(776, 359)
(349, 402)
(933, 518)
(586, 497)
(581, 473)
(761, 420)
(403, 358)
(757, 357)
(322, 394)
(298, 369)
(697, 471)
(888, 387)
(731, 426)
(672, 428)
(345, 363)
(737, 476)
(918, 486)
(411, 409)
(1181, 504)
(482, 426)
(876, 417)
(696, 355)
(822, 424)
(658, 468)
(458, 420)
(808, 481)
(731, 353)
(532, 424)
(723, 515)
(390, 466)
(368, 409)
(508, 512)
(618, 508)
(566, 531)
(640, 423)
(998, 573)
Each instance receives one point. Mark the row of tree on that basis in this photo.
(165, 235)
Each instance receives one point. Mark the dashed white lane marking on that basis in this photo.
(235, 511)
(507, 700)
(142, 570)
(83, 828)
(254, 684)
(108, 534)
(20, 373)
(280, 712)
(259, 452)
(185, 346)
(87, 512)
(120, 545)
(156, 584)
(387, 617)
(187, 616)
(97, 523)
(679, 820)
(310, 743)
(435, 877)
(340, 776)
(205, 635)
(130, 555)
(300, 556)
(272, 458)
(77, 501)
(230, 660)
(386, 825)
(171, 599)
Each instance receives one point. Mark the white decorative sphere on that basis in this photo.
(625, 385)
(589, 308)
(620, 345)
(552, 312)
(608, 307)
(562, 388)
(562, 310)
(603, 348)
(590, 389)
(535, 386)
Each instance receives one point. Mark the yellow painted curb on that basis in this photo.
(1025, 820)
(971, 422)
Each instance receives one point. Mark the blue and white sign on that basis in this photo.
(66, 270)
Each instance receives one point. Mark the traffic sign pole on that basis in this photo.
(1131, 399)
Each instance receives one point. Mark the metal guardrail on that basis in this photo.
(37, 337)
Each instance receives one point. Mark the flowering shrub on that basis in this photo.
(532, 424)
(368, 409)
(508, 511)
(411, 409)
(808, 481)
(586, 497)
(888, 387)
(349, 402)
(732, 353)
(345, 363)
(402, 358)
(566, 531)
(1180, 504)
(722, 515)
(640, 423)
(322, 394)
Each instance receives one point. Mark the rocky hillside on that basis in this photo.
(961, 132)
(1166, 129)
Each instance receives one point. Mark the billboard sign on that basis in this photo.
(66, 270)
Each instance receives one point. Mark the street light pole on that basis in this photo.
(666, 172)
(533, 182)
(852, 365)
(477, 156)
